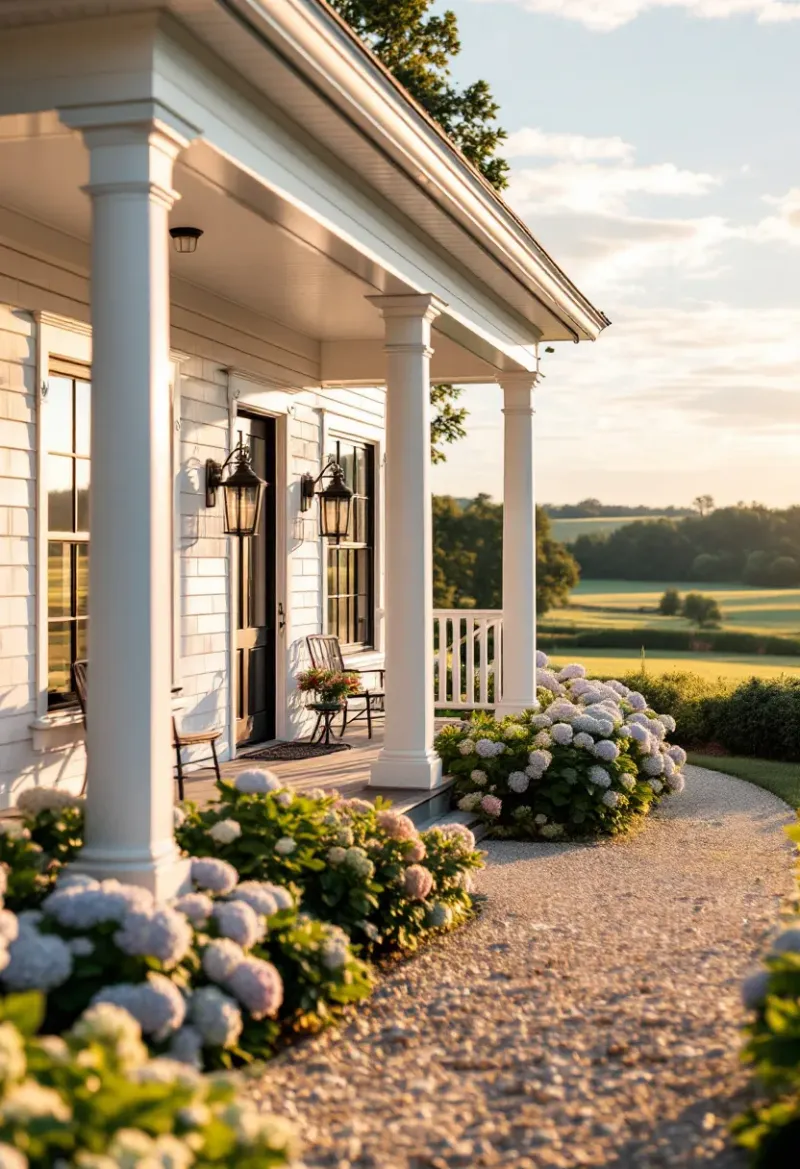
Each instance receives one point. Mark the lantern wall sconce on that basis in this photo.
(243, 492)
(335, 500)
(185, 238)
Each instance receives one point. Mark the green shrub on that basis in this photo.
(353, 863)
(92, 1100)
(591, 760)
(562, 637)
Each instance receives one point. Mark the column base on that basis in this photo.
(515, 706)
(166, 876)
(421, 770)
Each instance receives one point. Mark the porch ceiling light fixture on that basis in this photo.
(185, 238)
(335, 500)
(243, 492)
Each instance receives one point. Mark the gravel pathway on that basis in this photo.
(589, 1017)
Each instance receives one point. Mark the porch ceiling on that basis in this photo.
(256, 252)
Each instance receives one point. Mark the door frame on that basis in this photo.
(257, 397)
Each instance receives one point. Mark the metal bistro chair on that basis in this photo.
(180, 739)
(326, 654)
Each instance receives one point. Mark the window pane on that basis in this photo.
(347, 461)
(360, 486)
(352, 634)
(331, 573)
(81, 649)
(82, 417)
(59, 414)
(59, 642)
(363, 570)
(59, 580)
(333, 617)
(83, 470)
(82, 577)
(343, 631)
(361, 525)
(59, 493)
(362, 618)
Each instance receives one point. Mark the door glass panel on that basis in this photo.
(59, 493)
(82, 581)
(82, 478)
(82, 417)
(58, 580)
(59, 413)
(81, 634)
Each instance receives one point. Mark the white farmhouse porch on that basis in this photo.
(346, 243)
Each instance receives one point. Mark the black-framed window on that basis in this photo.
(67, 474)
(351, 558)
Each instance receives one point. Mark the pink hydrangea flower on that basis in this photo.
(396, 826)
(418, 882)
(258, 987)
(417, 852)
(491, 805)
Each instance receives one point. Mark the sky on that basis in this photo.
(655, 153)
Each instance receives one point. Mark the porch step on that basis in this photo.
(420, 806)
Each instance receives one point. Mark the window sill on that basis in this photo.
(56, 730)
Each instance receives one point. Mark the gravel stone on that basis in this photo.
(590, 1017)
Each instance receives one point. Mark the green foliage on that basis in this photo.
(755, 545)
(349, 862)
(328, 685)
(418, 48)
(670, 603)
(92, 1099)
(34, 849)
(448, 421)
(558, 635)
(702, 611)
(468, 557)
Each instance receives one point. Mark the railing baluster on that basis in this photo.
(456, 660)
(456, 628)
(470, 667)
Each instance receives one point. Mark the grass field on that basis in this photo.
(568, 530)
(624, 604)
(782, 779)
(610, 663)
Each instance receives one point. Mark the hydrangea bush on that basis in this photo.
(92, 1099)
(213, 979)
(771, 1129)
(363, 867)
(587, 762)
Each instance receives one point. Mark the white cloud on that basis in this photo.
(606, 15)
(784, 225)
(531, 142)
(592, 187)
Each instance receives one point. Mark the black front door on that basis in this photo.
(255, 597)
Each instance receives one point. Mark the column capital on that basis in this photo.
(132, 146)
(422, 306)
(518, 391)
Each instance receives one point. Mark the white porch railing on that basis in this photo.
(468, 653)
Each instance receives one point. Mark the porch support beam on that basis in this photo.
(129, 817)
(408, 759)
(519, 545)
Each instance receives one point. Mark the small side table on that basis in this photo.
(326, 714)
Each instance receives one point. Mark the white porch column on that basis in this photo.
(408, 758)
(129, 819)
(519, 545)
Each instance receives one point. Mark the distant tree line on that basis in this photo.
(752, 545)
(468, 557)
(587, 509)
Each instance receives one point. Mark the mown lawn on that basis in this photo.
(610, 663)
(568, 530)
(782, 779)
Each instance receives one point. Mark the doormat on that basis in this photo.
(283, 752)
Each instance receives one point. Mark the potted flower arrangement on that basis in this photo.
(330, 686)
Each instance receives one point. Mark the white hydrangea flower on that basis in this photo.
(478, 776)
(656, 785)
(29, 1101)
(82, 906)
(540, 760)
(541, 659)
(335, 951)
(670, 766)
(469, 803)
(357, 861)
(213, 874)
(519, 782)
(161, 933)
(562, 734)
(220, 959)
(285, 846)
(628, 782)
(540, 819)
(216, 1016)
(573, 670)
(225, 831)
(186, 1046)
(607, 750)
(514, 731)
(543, 740)
(264, 898)
(677, 754)
(548, 681)
(9, 927)
(157, 1004)
(80, 947)
(439, 916)
(540, 721)
(336, 855)
(657, 729)
(668, 722)
(113, 1027)
(485, 748)
(14, 829)
(257, 782)
(599, 777)
(196, 906)
(611, 798)
(284, 798)
(636, 700)
(236, 920)
(258, 987)
(178, 817)
(35, 800)
(639, 733)
(551, 831)
(11, 1158)
(676, 782)
(36, 961)
(653, 765)
(583, 741)
(466, 747)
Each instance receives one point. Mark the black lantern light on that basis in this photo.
(335, 501)
(185, 238)
(243, 492)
